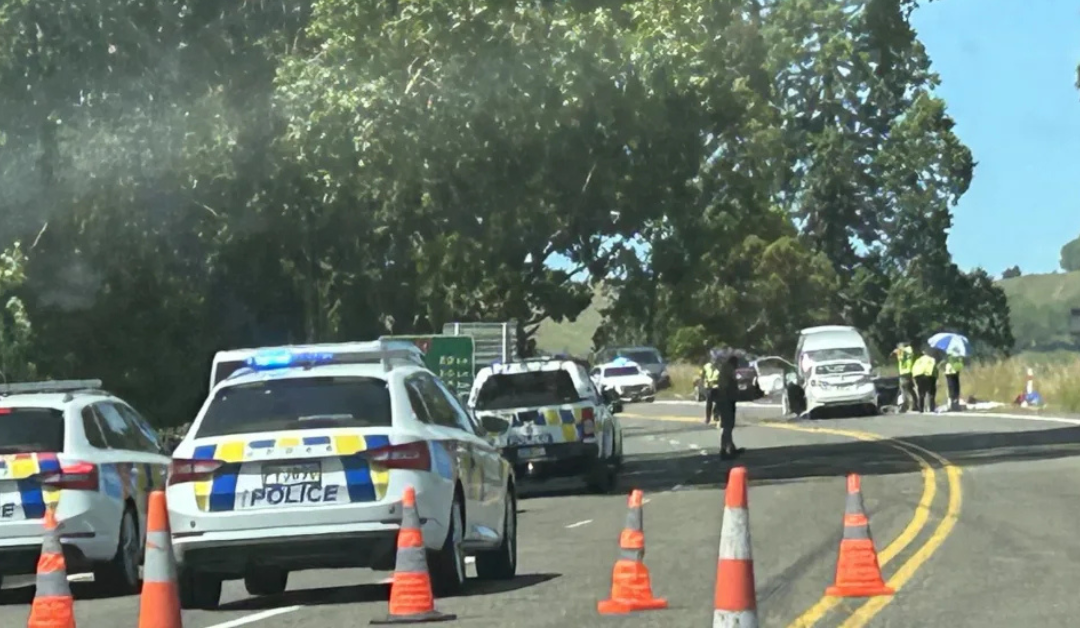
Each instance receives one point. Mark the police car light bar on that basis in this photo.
(386, 352)
(58, 386)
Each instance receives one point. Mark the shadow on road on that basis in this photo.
(773, 465)
(328, 596)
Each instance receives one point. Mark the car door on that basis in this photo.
(605, 420)
(148, 462)
(445, 424)
(488, 458)
(114, 474)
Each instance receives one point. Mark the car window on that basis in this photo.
(464, 419)
(621, 371)
(92, 428)
(145, 435)
(301, 403)
(118, 434)
(527, 390)
(416, 400)
(439, 408)
(29, 430)
(642, 356)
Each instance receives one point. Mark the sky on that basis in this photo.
(1008, 74)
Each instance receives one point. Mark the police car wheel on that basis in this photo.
(501, 563)
(120, 576)
(448, 563)
(267, 582)
(199, 591)
(601, 478)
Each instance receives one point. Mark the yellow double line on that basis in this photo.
(869, 609)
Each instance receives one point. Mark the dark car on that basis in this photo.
(747, 378)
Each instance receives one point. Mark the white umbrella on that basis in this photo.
(950, 343)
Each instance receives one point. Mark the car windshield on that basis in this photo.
(527, 390)
(850, 353)
(642, 356)
(297, 404)
(27, 430)
(620, 371)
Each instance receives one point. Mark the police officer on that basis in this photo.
(727, 393)
(925, 372)
(953, 365)
(905, 359)
(710, 379)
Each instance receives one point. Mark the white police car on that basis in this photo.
(629, 381)
(300, 460)
(551, 421)
(88, 453)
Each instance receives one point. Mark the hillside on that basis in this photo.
(1040, 306)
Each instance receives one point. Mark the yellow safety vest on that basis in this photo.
(953, 365)
(924, 366)
(712, 375)
(906, 359)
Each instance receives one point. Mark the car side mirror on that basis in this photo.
(494, 425)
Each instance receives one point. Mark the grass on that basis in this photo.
(1057, 379)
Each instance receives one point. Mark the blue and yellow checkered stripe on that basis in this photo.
(569, 419)
(22, 468)
(366, 481)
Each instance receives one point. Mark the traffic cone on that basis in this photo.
(53, 606)
(159, 606)
(631, 587)
(411, 598)
(858, 573)
(735, 603)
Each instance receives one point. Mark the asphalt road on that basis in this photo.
(975, 519)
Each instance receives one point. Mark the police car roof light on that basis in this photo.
(58, 386)
(387, 352)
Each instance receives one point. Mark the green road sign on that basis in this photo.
(449, 357)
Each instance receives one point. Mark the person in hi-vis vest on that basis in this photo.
(905, 360)
(925, 372)
(710, 379)
(953, 365)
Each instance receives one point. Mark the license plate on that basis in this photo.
(531, 452)
(291, 474)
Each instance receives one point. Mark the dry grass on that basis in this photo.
(682, 380)
(1057, 379)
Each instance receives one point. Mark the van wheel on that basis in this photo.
(199, 591)
(120, 576)
(267, 582)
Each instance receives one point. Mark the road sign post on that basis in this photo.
(451, 358)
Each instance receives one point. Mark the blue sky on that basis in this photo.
(1008, 70)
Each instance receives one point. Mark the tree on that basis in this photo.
(16, 332)
(1070, 256)
(1011, 273)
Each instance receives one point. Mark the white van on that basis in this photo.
(832, 369)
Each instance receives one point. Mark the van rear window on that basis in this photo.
(527, 390)
(297, 404)
(30, 430)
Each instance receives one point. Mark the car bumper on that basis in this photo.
(861, 396)
(559, 460)
(637, 394)
(21, 560)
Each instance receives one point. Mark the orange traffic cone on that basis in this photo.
(411, 598)
(53, 606)
(735, 603)
(631, 587)
(160, 603)
(858, 573)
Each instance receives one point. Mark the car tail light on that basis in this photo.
(76, 476)
(415, 456)
(588, 422)
(182, 471)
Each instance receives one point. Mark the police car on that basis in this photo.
(629, 381)
(71, 445)
(300, 459)
(550, 420)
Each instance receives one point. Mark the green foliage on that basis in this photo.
(1012, 273)
(196, 176)
(16, 333)
(1070, 255)
(1039, 308)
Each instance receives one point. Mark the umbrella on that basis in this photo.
(952, 344)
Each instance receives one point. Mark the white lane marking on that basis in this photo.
(645, 501)
(676, 487)
(673, 442)
(703, 452)
(469, 560)
(580, 523)
(81, 577)
(248, 619)
(388, 580)
(693, 446)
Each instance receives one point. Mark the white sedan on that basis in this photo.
(629, 381)
(300, 461)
